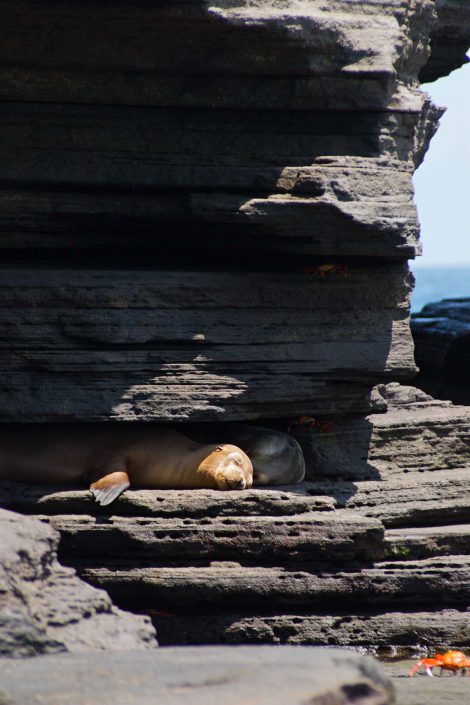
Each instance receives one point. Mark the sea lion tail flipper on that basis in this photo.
(109, 487)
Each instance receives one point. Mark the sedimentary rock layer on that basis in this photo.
(418, 434)
(389, 633)
(425, 541)
(309, 563)
(197, 504)
(186, 345)
(325, 537)
(393, 584)
(45, 607)
(223, 148)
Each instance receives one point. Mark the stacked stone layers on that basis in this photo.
(372, 551)
(173, 168)
(97, 345)
(174, 178)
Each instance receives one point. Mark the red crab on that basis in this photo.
(323, 269)
(310, 422)
(450, 661)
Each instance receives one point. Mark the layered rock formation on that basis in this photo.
(206, 212)
(441, 332)
(201, 157)
(45, 608)
(372, 551)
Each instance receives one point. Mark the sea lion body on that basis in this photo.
(114, 457)
(276, 457)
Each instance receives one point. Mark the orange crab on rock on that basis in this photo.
(449, 661)
(323, 269)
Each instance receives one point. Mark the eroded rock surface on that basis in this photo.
(45, 607)
(381, 564)
(283, 556)
(212, 223)
(178, 188)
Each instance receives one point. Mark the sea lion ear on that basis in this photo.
(218, 447)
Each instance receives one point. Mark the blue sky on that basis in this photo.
(442, 182)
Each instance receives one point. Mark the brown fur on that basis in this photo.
(116, 456)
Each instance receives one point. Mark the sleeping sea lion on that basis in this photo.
(276, 457)
(110, 458)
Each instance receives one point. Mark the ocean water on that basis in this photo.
(437, 283)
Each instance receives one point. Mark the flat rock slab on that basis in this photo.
(388, 633)
(425, 541)
(408, 499)
(400, 583)
(330, 537)
(47, 499)
(205, 676)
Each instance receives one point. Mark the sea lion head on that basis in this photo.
(229, 466)
(277, 460)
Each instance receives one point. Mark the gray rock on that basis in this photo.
(202, 504)
(388, 633)
(329, 537)
(205, 676)
(449, 40)
(45, 607)
(236, 145)
(409, 499)
(417, 434)
(425, 541)
(441, 332)
(130, 348)
(393, 584)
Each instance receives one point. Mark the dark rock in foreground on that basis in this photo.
(45, 607)
(200, 676)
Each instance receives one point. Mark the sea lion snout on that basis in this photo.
(238, 470)
(232, 468)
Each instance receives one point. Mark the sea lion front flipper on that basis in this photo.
(109, 487)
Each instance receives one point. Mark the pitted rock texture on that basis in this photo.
(201, 676)
(326, 537)
(205, 213)
(305, 564)
(385, 633)
(441, 333)
(45, 607)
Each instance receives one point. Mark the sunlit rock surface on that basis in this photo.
(46, 608)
